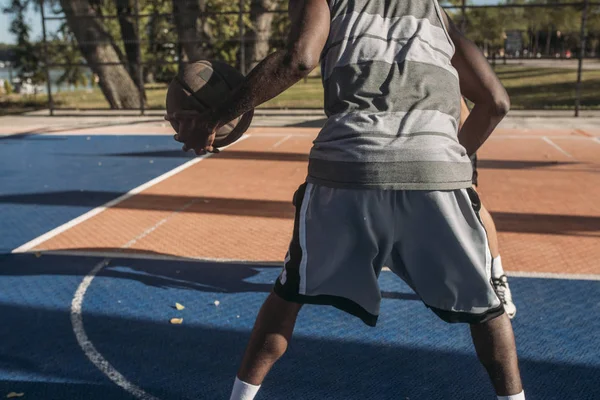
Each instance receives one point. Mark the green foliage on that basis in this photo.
(8, 89)
(63, 47)
(6, 47)
(594, 20)
(158, 36)
(544, 29)
(280, 28)
(27, 55)
(159, 39)
(224, 29)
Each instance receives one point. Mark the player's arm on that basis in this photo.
(276, 73)
(479, 84)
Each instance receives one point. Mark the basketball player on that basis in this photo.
(389, 177)
(499, 278)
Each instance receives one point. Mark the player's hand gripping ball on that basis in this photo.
(198, 88)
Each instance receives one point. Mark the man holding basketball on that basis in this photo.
(389, 176)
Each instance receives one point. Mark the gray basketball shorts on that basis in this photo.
(433, 240)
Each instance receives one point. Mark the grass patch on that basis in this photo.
(549, 88)
(529, 88)
(17, 104)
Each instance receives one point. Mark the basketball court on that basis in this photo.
(104, 229)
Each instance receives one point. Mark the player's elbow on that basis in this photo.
(501, 105)
(301, 62)
(496, 103)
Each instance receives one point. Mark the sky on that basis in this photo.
(34, 19)
(35, 22)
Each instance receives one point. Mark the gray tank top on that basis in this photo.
(392, 99)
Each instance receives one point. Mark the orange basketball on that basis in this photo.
(204, 85)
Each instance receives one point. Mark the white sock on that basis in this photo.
(520, 396)
(497, 270)
(243, 391)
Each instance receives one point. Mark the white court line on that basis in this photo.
(597, 140)
(56, 231)
(88, 347)
(557, 147)
(77, 318)
(159, 223)
(545, 275)
(77, 304)
(281, 141)
(499, 137)
(553, 275)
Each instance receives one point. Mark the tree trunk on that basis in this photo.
(96, 46)
(130, 39)
(257, 38)
(548, 38)
(193, 31)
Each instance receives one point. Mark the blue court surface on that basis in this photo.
(46, 181)
(84, 327)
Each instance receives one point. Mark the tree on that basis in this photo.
(194, 32)
(64, 48)
(98, 47)
(548, 21)
(160, 50)
(554, 19)
(27, 57)
(279, 29)
(594, 30)
(488, 27)
(131, 41)
(7, 87)
(259, 32)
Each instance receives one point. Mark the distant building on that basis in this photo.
(513, 43)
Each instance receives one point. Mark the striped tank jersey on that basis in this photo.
(392, 99)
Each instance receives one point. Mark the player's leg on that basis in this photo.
(499, 278)
(495, 345)
(494, 340)
(490, 228)
(448, 223)
(323, 266)
(268, 342)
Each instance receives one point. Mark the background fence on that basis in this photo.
(121, 54)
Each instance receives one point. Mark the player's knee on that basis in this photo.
(281, 308)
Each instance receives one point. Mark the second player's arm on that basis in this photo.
(479, 84)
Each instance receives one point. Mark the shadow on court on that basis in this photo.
(303, 157)
(521, 164)
(505, 221)
(127, 307)
(199, 362)
(187, 274)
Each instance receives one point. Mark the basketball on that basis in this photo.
(204, 85)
